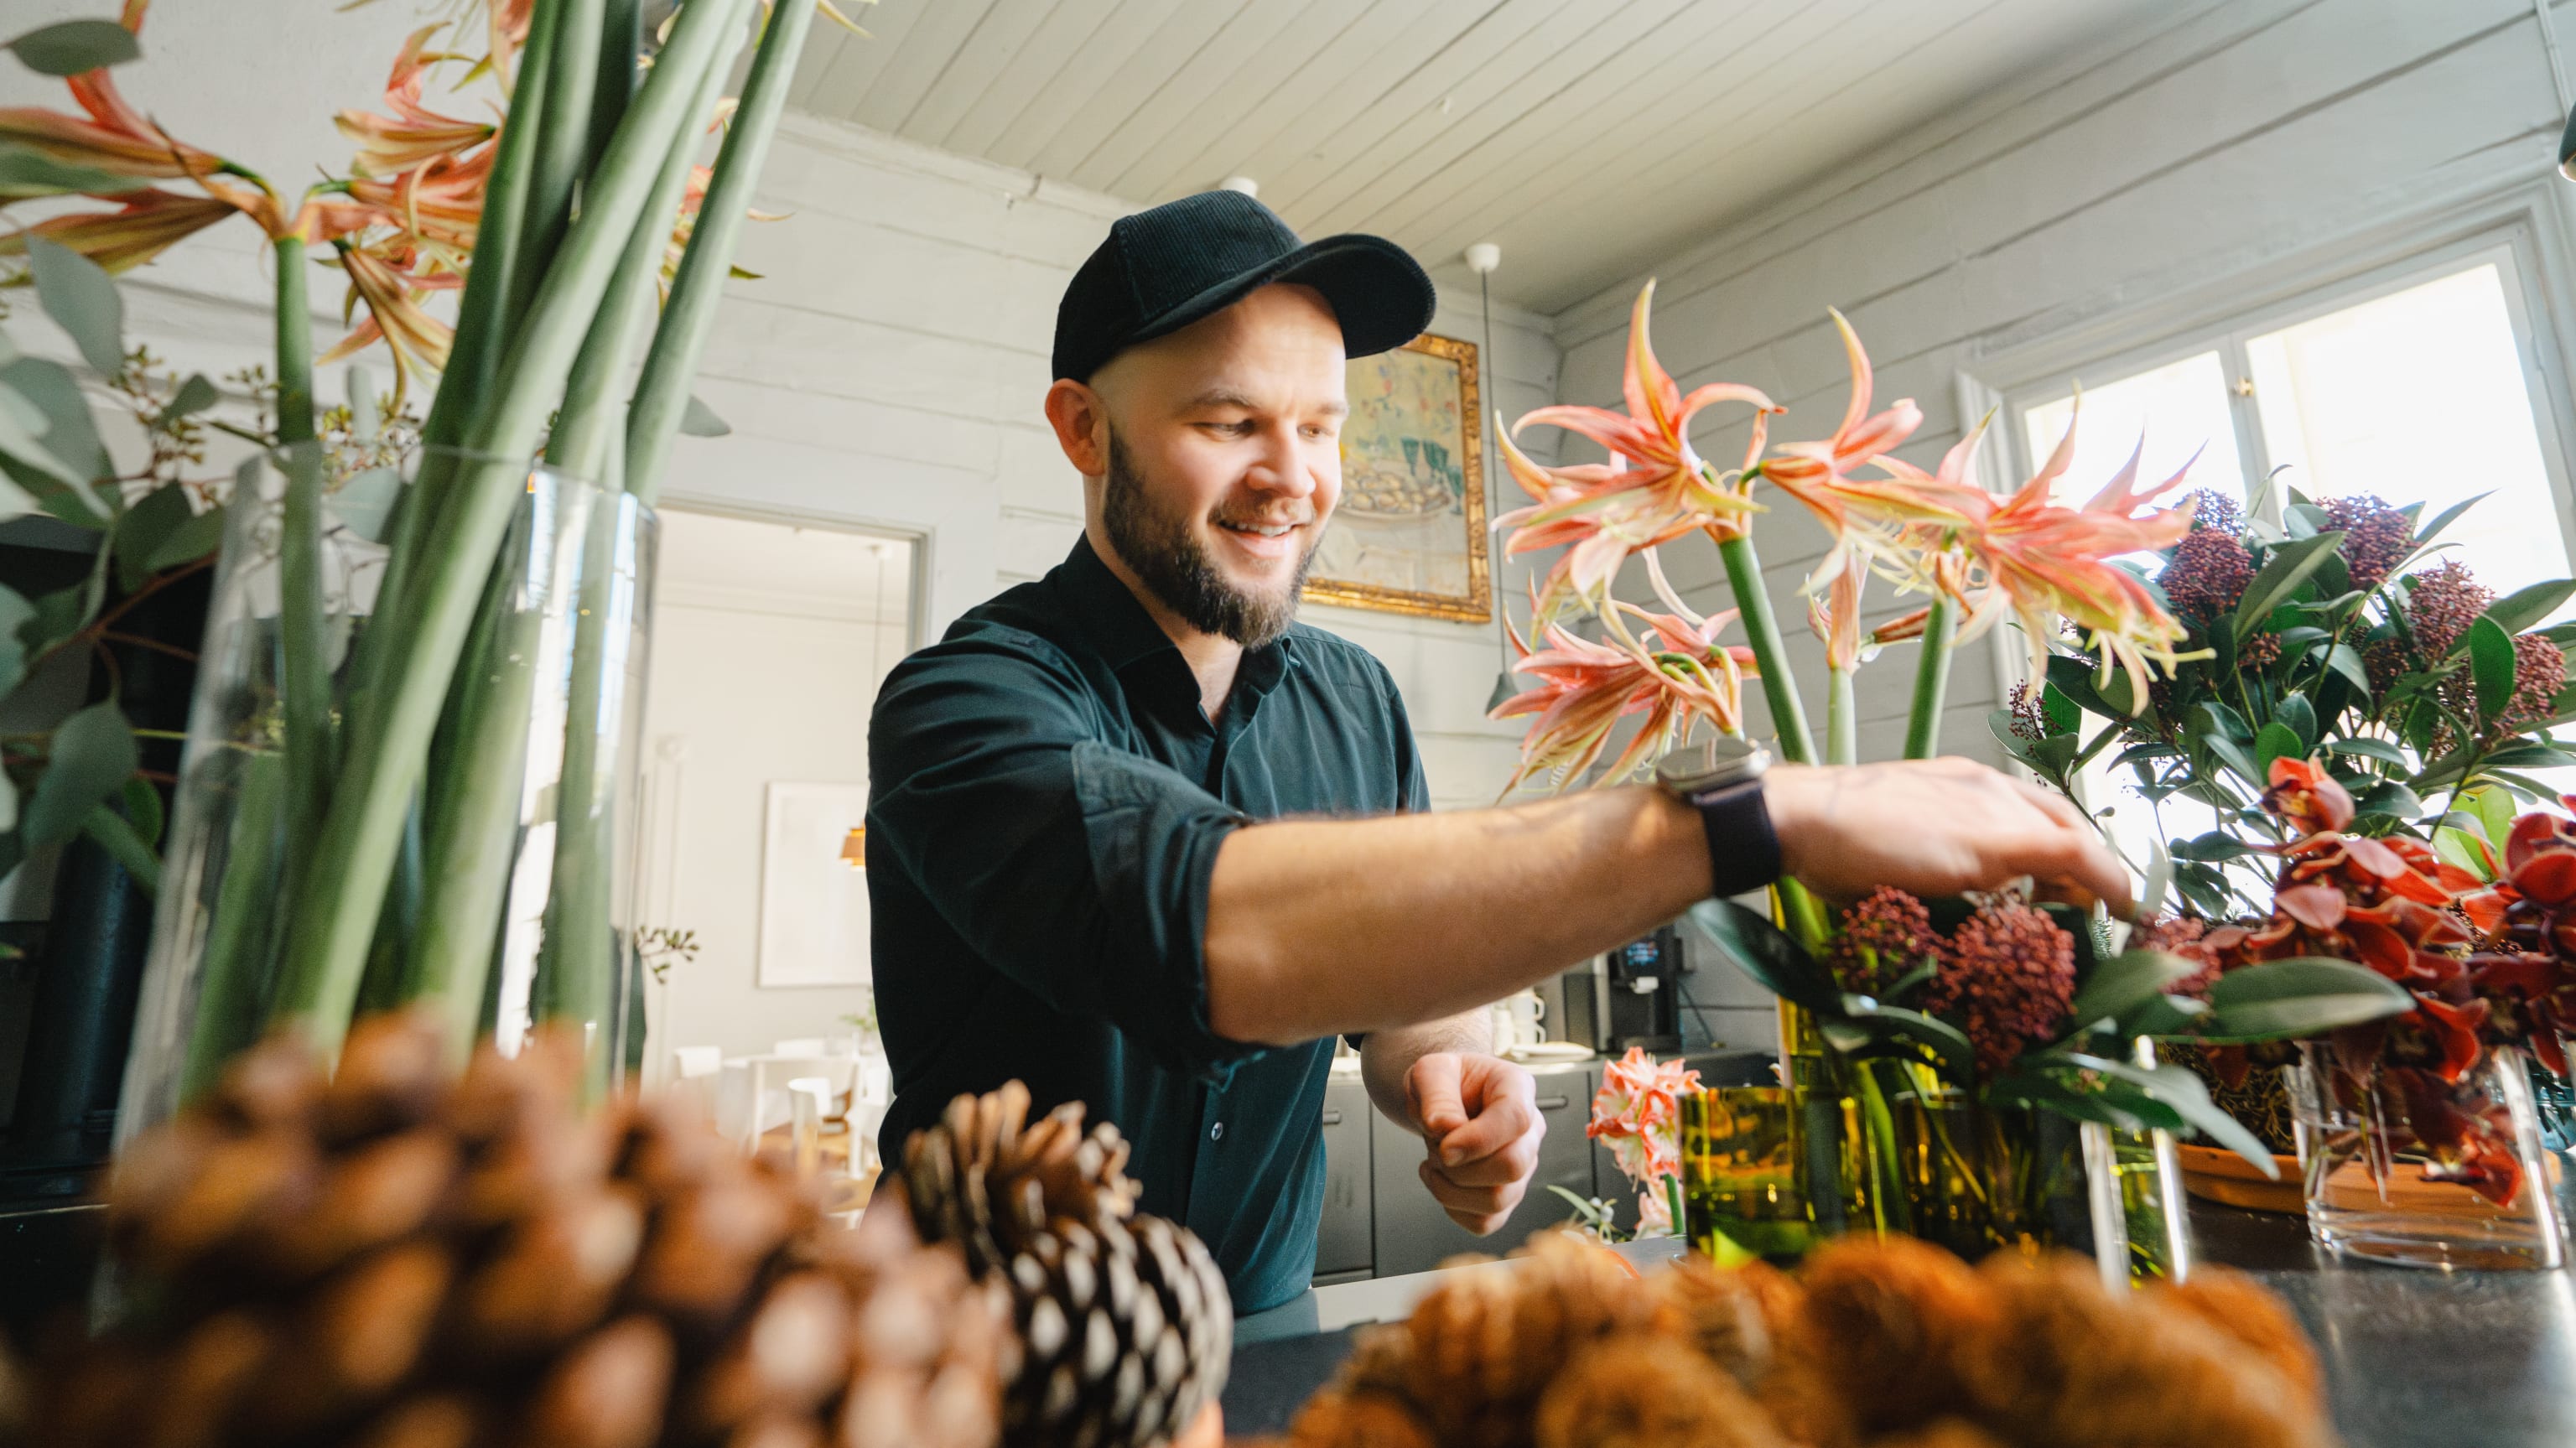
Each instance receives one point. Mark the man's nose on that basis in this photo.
(1284, 466)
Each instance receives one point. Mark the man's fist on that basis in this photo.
(1480, 1116)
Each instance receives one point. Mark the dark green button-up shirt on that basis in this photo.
(1046, 801)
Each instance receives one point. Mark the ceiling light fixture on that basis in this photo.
(1481, 259)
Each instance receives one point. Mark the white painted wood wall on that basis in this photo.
(888, 371)
(2237, 138)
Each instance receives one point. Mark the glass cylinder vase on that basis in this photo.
(539, 726)
(1978, 1178)
(2380, 1188)
(1755, 1183)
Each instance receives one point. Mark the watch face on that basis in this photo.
(1725, 759)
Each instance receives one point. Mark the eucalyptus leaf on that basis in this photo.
(700, 420)
(1766, 953)
(143, 808)
(2279, 577)
(2306, 995)
(15, 610)
(70, 435)
(202, 534)
(73, 47)
(2124, 982)
(92, 753)
(26, 174)
(145, 528)
(194, 396)
(124, 845)
(81, 298)
(365, 503)
(2491, 665)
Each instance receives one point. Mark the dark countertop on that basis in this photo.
(2413, 1359)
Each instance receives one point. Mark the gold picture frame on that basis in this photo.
(1409, 536)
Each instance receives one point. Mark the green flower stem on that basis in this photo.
(239, 938)
(485, 325)
(1888, 1202)
(1770, 654)
(335, 918)
(671, 365)
(1842, 719)
(577, 956)
(1931, 680)
(565, 154)
(474, 827)
(305, 680)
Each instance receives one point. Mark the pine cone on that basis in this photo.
(1484, 1344)
(1642, 1391)
(1728, 1313)
(393, 1259)
(2239, 1307)
(2067, 1362)
(1124, 1322)
(1886, 1321)
(1358, 1418)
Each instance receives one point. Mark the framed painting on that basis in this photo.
(1409, 536)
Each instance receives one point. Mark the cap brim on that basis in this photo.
(1378, 292)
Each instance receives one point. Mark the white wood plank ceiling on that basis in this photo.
(1588, 137)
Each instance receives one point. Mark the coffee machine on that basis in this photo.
(1630, 996)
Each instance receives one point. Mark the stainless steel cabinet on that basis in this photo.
(1411, 1232)
(1342, 1243)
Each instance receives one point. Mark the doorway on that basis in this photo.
(770, 639)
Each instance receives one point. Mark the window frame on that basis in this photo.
(2527, 228)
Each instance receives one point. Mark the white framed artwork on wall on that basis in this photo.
(813, 903)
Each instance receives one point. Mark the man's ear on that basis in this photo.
(1081, 423)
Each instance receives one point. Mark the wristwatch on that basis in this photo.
(1722, 779)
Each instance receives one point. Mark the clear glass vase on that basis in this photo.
(2378, 1191)
(512, 897)
(1751, 1184)
(1978, 1178)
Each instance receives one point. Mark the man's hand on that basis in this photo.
(1479, 1115)
(1936, 827)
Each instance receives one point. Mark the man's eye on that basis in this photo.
(1230, 429)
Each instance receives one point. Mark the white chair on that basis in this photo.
(696, 1071)
(779, 1066)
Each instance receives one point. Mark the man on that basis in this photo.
(1140, 840)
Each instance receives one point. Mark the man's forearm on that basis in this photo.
(1319, 927)
(1387, 1055)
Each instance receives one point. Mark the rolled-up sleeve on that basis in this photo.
(1075, 869)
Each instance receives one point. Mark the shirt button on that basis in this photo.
(1217, 1132)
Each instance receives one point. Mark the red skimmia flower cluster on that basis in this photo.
(2489, 964)
(2005, 976)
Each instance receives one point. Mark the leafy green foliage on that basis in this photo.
(71, 47)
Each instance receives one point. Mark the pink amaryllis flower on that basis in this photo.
(1676, 676)
(1822, 474)
(1654, 488)
(142, 225)
(2041, 561)
(413, 135)
(1637, 1113)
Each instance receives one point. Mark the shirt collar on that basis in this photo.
(1116, 625)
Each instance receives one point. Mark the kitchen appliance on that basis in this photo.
(1630, 996)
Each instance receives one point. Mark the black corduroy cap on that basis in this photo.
(1162, 269)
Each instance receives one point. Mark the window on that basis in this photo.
(2417, 388)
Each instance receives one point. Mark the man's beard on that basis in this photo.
(1158, 544)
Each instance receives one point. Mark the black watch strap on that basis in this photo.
(1743, 853)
